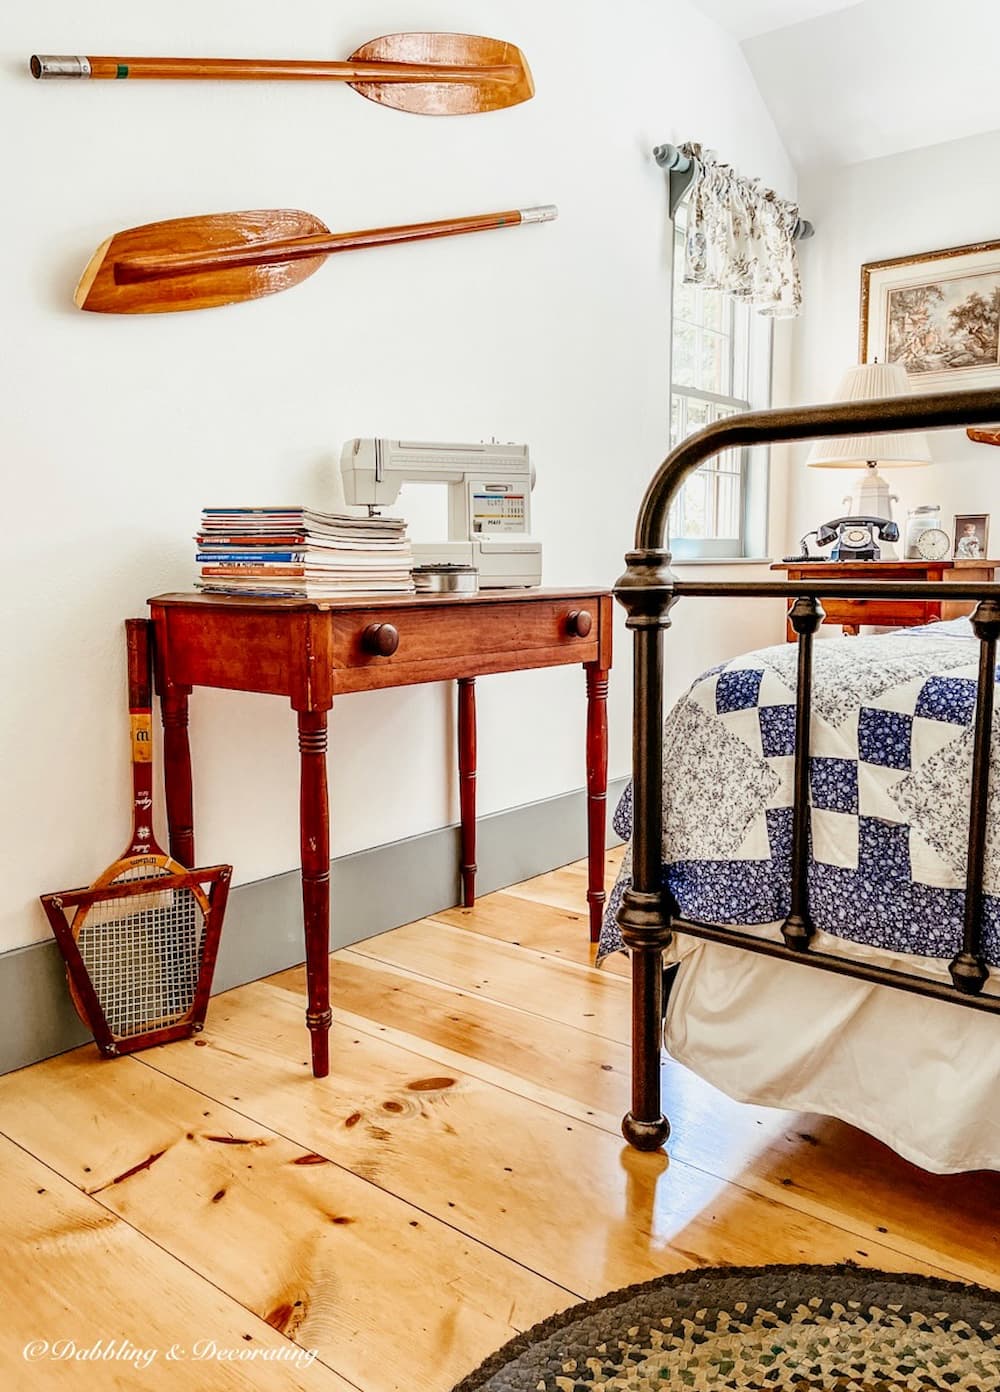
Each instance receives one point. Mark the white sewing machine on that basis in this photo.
(489, 501)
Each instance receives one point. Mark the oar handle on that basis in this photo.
(48, 65)
(136, 269)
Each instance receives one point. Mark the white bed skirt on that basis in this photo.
(921, 1075)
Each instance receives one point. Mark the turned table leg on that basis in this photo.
(314, 828)
(467, 785)
(177, 785)
(597, 791)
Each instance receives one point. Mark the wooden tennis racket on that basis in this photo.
(140, 954)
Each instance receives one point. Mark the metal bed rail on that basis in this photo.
(648, 591)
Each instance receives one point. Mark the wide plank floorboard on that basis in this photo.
(574, 1071)
(815, 1164)
(565, 992)
(823, 1165)
(565, 888)
(529, 923)
(457, 1177)
(316, 1252)
(566, 1200)
(77, 1277)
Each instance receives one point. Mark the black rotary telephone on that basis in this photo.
(855, 538)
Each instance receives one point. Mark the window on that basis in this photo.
(720, 365)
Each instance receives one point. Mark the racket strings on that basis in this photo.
(108, 910)
(144, 958)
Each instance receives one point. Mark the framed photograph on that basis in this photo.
(938, 314)
(972, 535)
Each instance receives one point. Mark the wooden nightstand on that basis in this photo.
(891, 613)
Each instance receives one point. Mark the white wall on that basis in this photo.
(117, 430)
(923, 200)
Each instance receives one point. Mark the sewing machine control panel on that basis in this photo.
(496, 508)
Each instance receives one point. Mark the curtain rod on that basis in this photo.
(682, 170)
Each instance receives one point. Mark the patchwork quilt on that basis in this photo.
(890, 777)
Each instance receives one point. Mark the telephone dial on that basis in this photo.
(856, 537)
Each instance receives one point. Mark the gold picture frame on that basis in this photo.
(970, 536)
(938, 313)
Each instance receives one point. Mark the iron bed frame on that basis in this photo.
(648, 591)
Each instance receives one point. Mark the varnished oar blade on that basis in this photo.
(98, 290)
(508, 84)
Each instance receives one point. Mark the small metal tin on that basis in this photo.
(446, 579)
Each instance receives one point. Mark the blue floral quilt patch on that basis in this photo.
(890, 777)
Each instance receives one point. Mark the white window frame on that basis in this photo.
(749, 374)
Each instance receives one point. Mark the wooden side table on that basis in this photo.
(894, 613)
(311, 651)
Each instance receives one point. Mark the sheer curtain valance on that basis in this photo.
(741, 238)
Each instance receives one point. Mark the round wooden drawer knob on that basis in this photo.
(380, 639)
(580, 622)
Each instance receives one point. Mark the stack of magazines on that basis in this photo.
(283, 552)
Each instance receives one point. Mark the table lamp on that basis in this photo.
(870, 496)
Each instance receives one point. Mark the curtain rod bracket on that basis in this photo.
(682, 169)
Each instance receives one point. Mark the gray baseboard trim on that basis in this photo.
(372, 891)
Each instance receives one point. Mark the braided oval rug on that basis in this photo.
(773, 1328)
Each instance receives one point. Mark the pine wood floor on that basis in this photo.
(459, 1176)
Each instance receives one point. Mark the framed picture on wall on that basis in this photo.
(972, 535)
(938, 314)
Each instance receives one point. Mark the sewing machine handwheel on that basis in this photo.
(580, 622)
(380, 639)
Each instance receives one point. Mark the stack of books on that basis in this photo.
(283, 552)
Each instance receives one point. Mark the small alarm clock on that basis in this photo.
(933, 544)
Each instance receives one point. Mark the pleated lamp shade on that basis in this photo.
(904, 449)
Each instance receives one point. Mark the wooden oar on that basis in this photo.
(432, 74)
(223, 258)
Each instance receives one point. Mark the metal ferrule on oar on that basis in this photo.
(225, 258)
(433, 74)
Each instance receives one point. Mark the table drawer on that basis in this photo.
(881, 612)
(432, 635)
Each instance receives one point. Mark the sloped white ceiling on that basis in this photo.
(744, 18)
(853, 82)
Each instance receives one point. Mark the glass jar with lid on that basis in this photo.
(918, 521)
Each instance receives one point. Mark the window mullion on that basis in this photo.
(736, 403)
(712, 377)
